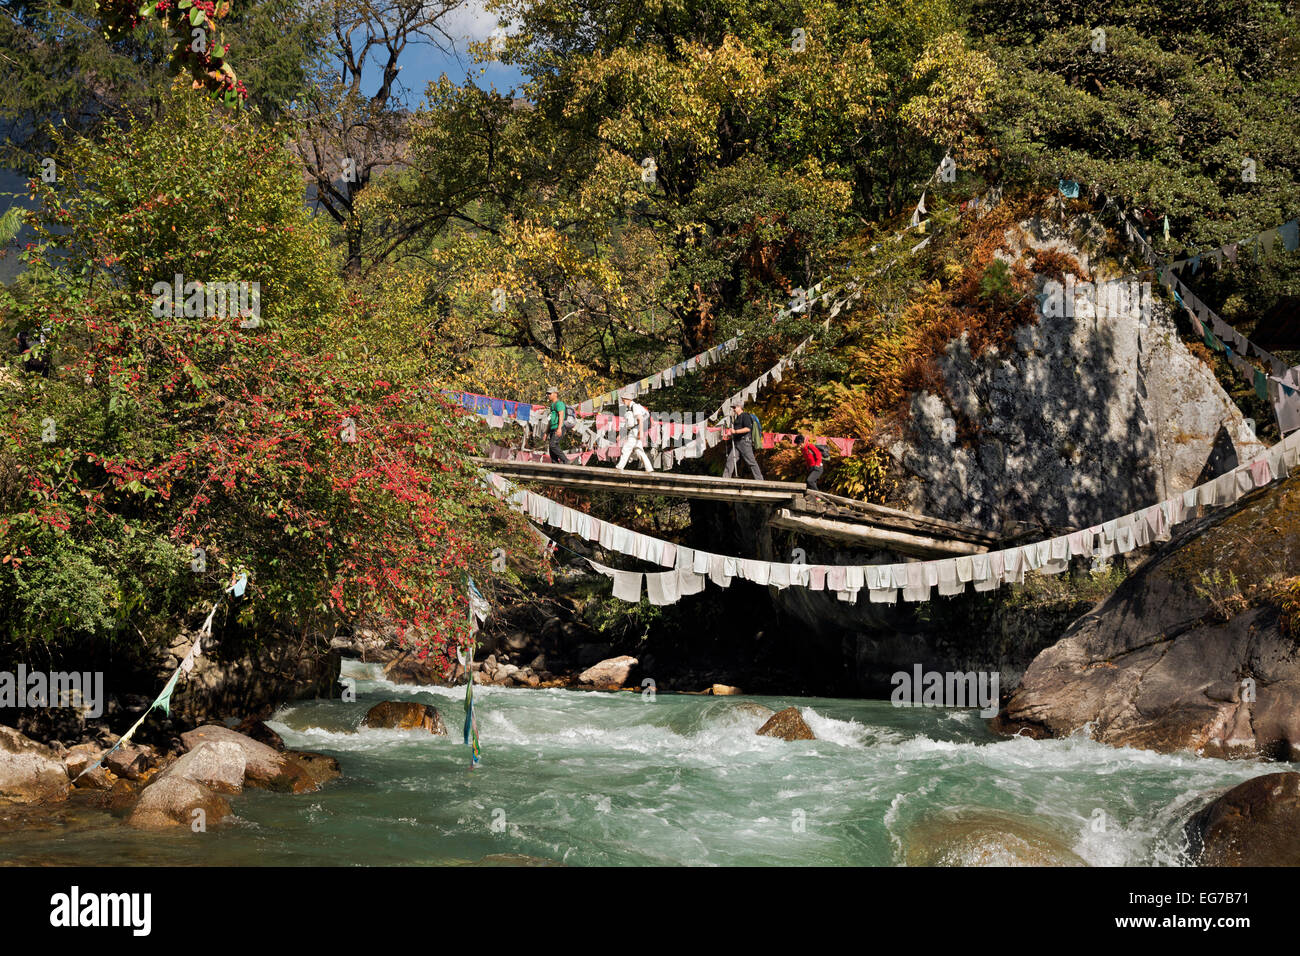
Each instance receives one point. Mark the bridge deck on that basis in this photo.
(811, 512)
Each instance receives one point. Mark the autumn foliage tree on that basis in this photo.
(668, 175)
(343, 495)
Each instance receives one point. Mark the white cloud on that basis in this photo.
(470, 21)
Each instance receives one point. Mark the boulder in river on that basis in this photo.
(1256, 823)
(218, 765)
(189, 789)
(787, 724)
(320, 767)
(29, 772)
(405, 715)
(263, 734)
(263, 767)
(1192, 652)
(755, 711)
(984, 838)
(612, 672)
(407, 668)
(173, 800)
(79, 758)
(725, 690)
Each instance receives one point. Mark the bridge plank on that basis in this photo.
(814, 512)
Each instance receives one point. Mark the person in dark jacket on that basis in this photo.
(740, 434)
(812, 456)
(555, 426)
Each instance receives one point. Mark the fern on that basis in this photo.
(10, 224)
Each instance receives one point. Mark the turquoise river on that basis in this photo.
(625, 779)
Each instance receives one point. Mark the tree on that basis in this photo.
(345, 134)
(695, 149)
(1161, 105)
(61, 69)
(344, 496)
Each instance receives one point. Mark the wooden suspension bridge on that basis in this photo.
(795, 507)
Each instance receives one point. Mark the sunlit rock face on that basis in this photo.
(1090, 416)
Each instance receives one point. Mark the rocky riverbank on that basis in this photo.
(1198, 650)
(149, 788)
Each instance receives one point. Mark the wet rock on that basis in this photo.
(82, 756)
(405, 715)
(131, 762)
(319, 767)
(611, 672)
(29, 772)
(172, 800)
(1183, 656)
(725, 690)
(122, 796)
(264, 767)
(407, 668)
(985, 838)
(787, 724)
(256, 730)
(1256, 823)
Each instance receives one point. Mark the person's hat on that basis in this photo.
(552, 390)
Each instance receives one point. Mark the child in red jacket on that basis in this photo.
(813, 457)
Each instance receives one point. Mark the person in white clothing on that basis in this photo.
(638, 427)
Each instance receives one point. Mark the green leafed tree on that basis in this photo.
(166, 425)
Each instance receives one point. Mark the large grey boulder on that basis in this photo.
(29, 772)
(609, 673)
(172, 800)
(1189, 653)
(219, 765)
(1079, 419)
(264, 766)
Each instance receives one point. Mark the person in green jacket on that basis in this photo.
(741, 435)
(555, 427)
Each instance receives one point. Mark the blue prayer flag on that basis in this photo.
(1290, 233)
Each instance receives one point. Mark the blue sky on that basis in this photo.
(422, 65)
